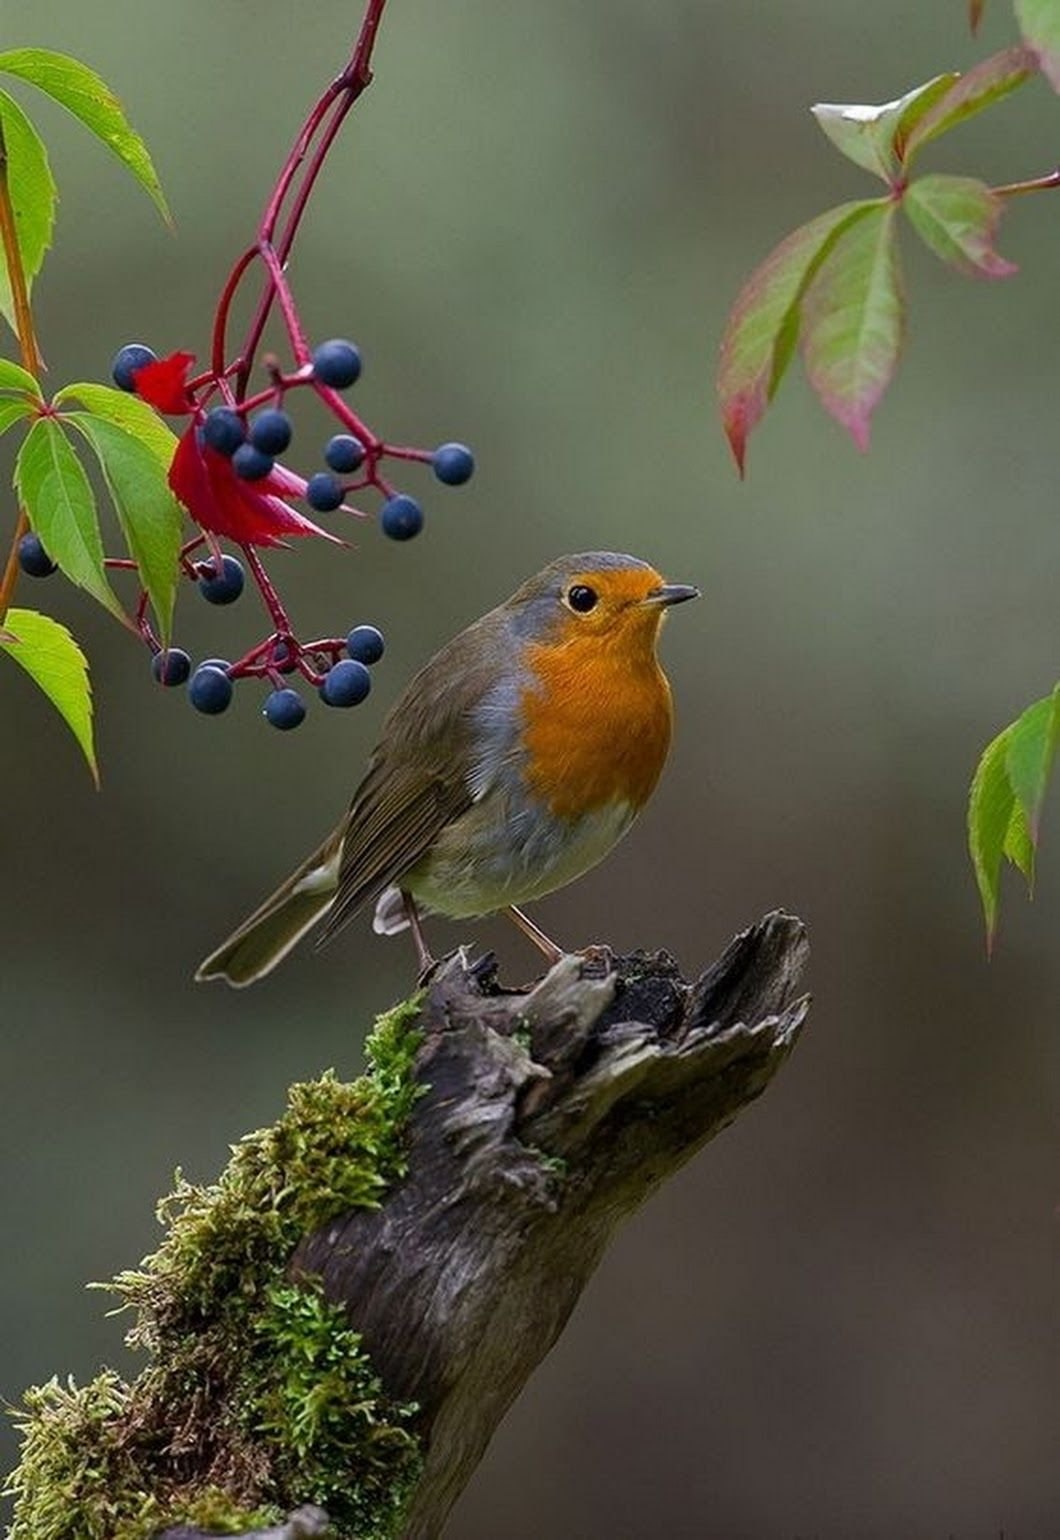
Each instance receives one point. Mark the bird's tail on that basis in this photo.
(276, 926)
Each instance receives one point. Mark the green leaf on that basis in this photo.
(150, 516)
(1029, 757)
(852, 321)
(126, 411)
(991, 805)
(32, 191)
(1004, 808)
(971, 93)
(763, 324)
(59, 503)
(14, 377)
(874, 137)
(1039, 22)
(81, 91)
(12, 412)
(51, 657)
(957, 217)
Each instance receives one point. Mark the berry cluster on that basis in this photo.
(227, 474)
(339, 681)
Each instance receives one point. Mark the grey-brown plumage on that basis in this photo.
(443, 810)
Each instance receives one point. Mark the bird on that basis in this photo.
(513, 761)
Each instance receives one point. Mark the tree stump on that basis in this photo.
(548, 1116)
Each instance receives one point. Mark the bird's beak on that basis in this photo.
(671, 593)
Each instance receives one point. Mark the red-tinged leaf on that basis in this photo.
(249, 512)
(972, 92)
(52, 658)
(852, 321)
(162, 383)
(874, 137)
(957, 217)
(1039, 21)
(1029, 755)
(763, 324)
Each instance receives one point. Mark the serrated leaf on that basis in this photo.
(991, 804)
(150, 516)
(31, 188)
(14, 377)
(57, 496)
(852, 318)
(957, 217)
(980, 87)
(1029, 756)
(52, 658)
(874, 137)
(126, 411)
(763, 325)
(1039, 21)
(82, 92)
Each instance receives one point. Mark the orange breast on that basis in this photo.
(596, 723)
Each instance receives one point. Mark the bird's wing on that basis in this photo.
(395, 819)
(422, 776)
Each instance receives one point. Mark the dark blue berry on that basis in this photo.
(365, 644)
(224, 430)
(171, 666)
(127, 360)
(33, 558)
(271, 431)
(224, 587)
(284, 709)
(453, 463)
(210, 690)
(323, 492)
(249, 463)
(402, 517)
(345, 683)
(221, 663)
(344, 453)
(337, 364)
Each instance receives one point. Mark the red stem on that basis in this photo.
(335, 103)
(1036, 184)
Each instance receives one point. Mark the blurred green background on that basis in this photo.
(843, 1319)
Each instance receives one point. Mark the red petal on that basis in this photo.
(163, 383)
(221, 502)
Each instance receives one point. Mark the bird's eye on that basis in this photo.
(582, 598)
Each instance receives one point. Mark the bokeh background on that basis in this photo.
(843, 1319)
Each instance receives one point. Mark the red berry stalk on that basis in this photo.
(225, 469)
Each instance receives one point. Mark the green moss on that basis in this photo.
(310, 1391)
(79, 1479)
(258, 1395)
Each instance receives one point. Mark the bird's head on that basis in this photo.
(597, 598)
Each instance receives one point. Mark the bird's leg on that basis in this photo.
(412, 914)
(535, 934)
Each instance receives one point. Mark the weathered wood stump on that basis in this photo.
(549, 1115)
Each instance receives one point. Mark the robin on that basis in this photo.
(511, 764)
